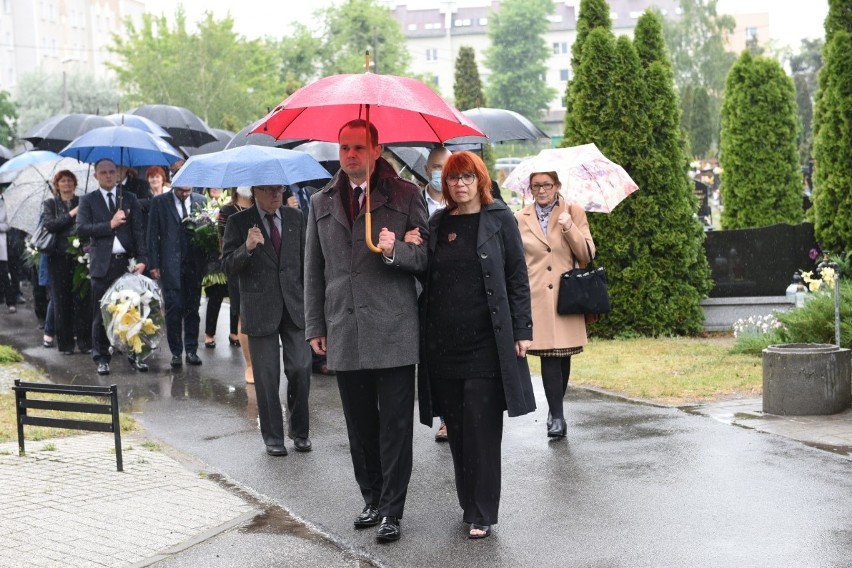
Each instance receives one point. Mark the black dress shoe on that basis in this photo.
(48, 344)
(369, 517)
(193, 359)
(276, 450)
(103, 368)
(302, 444)
(177, 361)
(137, 364)
(68, 352)
(389, 530)
(557, 429)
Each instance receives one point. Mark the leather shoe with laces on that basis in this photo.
(389, 530)
(193, 359)
(369, 517)
(302, 444)
(276, 450)
(103, 368)
(177, 361)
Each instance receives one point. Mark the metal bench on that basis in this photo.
(22, 404)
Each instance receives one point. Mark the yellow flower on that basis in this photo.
(136, 343)
(149, 327)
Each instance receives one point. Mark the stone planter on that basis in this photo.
(806, 378)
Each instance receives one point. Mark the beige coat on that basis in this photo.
(547, 258)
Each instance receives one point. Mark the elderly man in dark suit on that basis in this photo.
(178, 264)
(112, 219)
(264, 247)
(361, 309)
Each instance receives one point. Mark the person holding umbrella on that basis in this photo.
(73, 316)
(114, 225)
(361, 311)
(556, 238)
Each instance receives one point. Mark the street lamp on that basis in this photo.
(65, 84)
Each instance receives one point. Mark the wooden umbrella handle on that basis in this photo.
(368, 216)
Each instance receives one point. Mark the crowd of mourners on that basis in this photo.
(457, 289)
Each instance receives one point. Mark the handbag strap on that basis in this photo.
(591, 257)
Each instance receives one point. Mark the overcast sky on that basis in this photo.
(789, 21)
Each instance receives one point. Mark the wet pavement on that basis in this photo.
(632, 485)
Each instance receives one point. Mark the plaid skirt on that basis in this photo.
(562, 352)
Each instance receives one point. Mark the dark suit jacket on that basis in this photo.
(93, 219)
(169, 244)
(269, 283)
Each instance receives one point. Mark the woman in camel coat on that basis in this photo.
(556, 238)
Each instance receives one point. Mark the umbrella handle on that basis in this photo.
(368, 217)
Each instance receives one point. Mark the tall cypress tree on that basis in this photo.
(594, 14)
(833, 133)
(468, 85)
(761, 183)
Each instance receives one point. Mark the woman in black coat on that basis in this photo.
(476, 327)
(72, 311)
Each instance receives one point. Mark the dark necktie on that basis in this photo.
(356, 201)
(274, 235)
(183, 213)
(111, 202)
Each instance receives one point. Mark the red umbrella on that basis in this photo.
(401, 108)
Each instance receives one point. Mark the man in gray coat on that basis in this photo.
(361, 310)
(264, 248)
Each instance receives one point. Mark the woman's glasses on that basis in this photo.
(536, 187)
(467, 179)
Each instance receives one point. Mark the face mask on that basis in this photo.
(244, 191)
(435, 182)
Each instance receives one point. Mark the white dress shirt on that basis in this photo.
(117, 247)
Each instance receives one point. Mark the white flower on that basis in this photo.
(76, 243)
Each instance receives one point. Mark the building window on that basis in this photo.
(483, 21)
(432, 26)
(435, 79)
(431, 54)
(560, 47)
(634, 15)
(462, 23)
(412, 27)
(751, 34)
(564, 74)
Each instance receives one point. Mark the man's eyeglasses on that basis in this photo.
(270, 190)
(467, 179)
(536, 187)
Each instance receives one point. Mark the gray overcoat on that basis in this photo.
(365, 307)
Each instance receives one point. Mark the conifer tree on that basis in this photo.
(593, 14)
(468, 85)
(700, 123)
(761, 183)
(833, 133)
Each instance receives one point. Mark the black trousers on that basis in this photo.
(182, 317)
(7, 291)
(234, 299)
(215, 295)
(100, 343)
(473, 412)
(378, 405)
(554, 376)
(72, 313)
(266, 362)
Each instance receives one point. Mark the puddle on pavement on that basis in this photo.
(845, 451)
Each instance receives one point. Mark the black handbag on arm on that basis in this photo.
(584, 290)
(42, 239)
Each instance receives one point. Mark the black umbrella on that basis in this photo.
(184, 126)
(221, 142)
(412, 158)
(5, 154)
(58, 131)
(500, 125)
(245, 137)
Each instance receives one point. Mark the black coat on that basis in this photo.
(507, 289)
(57, 219)
(170, 248)
(93, 221)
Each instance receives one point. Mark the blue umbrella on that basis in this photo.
(123, 145)
(9, 170)
(140, 122)
(249, 165)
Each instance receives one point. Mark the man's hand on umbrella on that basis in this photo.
(387, 239)
(293, 202)
(318, 345)
(413, 237)
(254, 238)
(120, 218)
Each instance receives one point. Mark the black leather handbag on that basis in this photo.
(42, 239)
(583, 291)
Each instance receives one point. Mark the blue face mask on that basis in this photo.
(435, 182)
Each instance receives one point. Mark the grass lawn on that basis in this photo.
(8, 420)
(673, 371)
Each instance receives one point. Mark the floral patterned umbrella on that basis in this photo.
(587, 176)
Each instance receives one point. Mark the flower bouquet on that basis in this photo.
(203, 228)
(80, 279)
(133, 316)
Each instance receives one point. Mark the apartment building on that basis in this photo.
(59, 35)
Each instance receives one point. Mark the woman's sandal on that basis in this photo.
(233, 342)
(485, 529)
(210, 344)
